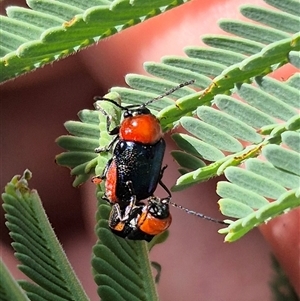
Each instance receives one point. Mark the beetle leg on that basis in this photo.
(161, 182)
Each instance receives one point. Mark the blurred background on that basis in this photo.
(196, 263)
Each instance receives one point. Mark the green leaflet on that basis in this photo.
(254, 182)
(240, 227)
(243, 112)
(289, 6)
(284, 159)
(238, 194)
(176, 74)
(266, 103)
(233, 44)
(280, 90)
(232, 126)
(9, 288)
(275, 19)
(251, 119)
(253, 32)
(187, 161)
(197, 147)
(255, 52)
(235, 209)
(49, 30)
(229, 130)
(211, 135)
(292, 140)
(88, 134)
(37, 248)
(258, 180)
(269, 171)
(122, 269)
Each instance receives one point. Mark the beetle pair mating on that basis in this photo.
(134, 171)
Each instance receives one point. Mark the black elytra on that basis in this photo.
(137, 163)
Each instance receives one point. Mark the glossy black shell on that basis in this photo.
(139, 163)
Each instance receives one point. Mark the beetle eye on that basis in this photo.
(127, 114)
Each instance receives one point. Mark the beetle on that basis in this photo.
(138, 151)
(141, 221)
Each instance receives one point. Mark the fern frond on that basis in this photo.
(237, 71)
(86, 135)
(251, 218)
(9, 287)
(235, 60)
(242, 114)
(239, 109)
(37, 248)
(49, 30)
(122, 269)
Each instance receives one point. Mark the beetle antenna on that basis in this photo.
(168, 92)
(98, 98)
(172, 90)
(197, 214)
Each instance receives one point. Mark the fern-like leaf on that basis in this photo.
(233, 130)
(243, 117)
(122, 269)
(238, 130)
(86, 135)
(37, 248)
(9, 287)
(49, 30)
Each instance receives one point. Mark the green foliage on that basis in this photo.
(9, 288)
(242, 114)
(49, 30)
(37, 248)
(121, 267)
(87, 135)
(244, 119)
